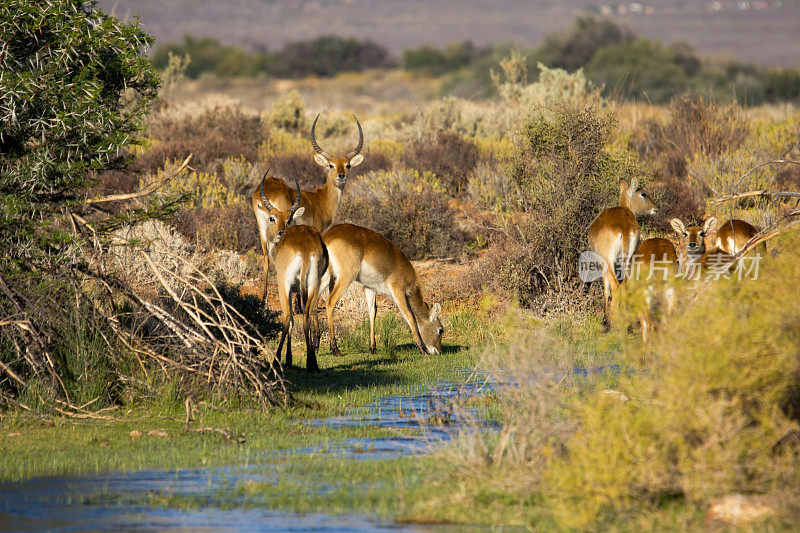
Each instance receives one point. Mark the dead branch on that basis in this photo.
(764, 193)
(150, 189)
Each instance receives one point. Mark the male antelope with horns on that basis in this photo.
(320, 205)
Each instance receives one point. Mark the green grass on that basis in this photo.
(60, 446)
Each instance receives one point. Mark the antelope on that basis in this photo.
(360, 254)
(698, 258)
(300, 262)
(654, 262)
(320, 205)
(733, 235)
(614, 234)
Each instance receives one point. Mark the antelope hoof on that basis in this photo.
(335, 352)
(373, 350)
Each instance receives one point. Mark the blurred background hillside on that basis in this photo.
(763, 32)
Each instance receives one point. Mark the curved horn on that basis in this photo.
(264, 202)
(296, 204)
(314, 140)
(360, 139)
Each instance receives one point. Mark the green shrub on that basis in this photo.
(574, 49)
(76, 87)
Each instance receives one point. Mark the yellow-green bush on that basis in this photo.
(206, 190)
(709, 408)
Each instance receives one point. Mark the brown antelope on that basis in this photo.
(320, 205)
(614, 235)
(697, 258)
(733, 235)
(300, 262)
(654, 263)
(360, 254)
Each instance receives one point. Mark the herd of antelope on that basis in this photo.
(614, 236)
(310, 254)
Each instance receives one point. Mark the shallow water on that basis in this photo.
(422, 419)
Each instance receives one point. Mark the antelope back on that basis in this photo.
(733, 235)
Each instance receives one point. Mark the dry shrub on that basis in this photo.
(712, 410)
(565, 172)
(407, 209)
(300, 166)
(448, 155)
(694, 126)
(212, 137)
(230, 226)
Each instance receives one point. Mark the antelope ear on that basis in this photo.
(633, 187)
(678, 226)
(298, 213)
(623, 186)
(356, 160)
(436, 310)
(321, 160)
(709, 225)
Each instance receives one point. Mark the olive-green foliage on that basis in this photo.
(432, 60)
(713, 404)
(323, 56)
(209, 55)
(76, 85)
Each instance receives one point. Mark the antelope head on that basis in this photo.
(278, 221)
(338, 166)
(694, 236)
(634, 198)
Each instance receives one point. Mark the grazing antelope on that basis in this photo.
(360, 254)
(654, 263)
(614, 234)
(698, 258)
(300, 262)
(320, 205)
(733, 235)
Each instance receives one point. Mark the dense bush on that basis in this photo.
(76, 86)
(710, 415)
(323, 56)
(642, 69)
(432, 60)
(209, 55)
(447, 155)
(574, 49)
(328, 55)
